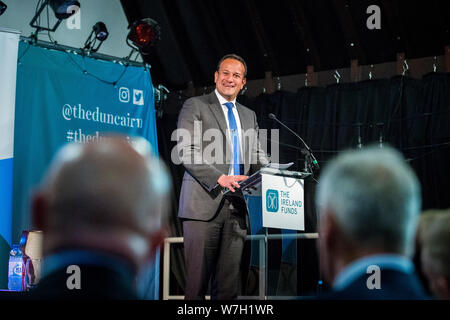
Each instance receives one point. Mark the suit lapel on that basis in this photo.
(246, 124)
(246, 121)
(217, 111)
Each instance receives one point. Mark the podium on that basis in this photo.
(258, 191)
(280, 194)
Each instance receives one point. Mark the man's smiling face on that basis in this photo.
(230, 78)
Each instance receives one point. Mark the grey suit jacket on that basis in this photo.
(207, 154)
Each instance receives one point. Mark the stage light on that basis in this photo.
(100, 33)
(63, 9)
(144, 34)
(3, 7)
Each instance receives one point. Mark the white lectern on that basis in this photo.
(282, 199)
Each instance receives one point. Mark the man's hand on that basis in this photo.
(230, 182)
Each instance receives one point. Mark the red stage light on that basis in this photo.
(144, 33)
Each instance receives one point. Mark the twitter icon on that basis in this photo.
(138, 97)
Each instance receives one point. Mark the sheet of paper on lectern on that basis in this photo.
(279, 166)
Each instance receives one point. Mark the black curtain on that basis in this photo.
(412, 115)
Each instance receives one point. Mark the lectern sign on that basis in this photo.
(283, 202)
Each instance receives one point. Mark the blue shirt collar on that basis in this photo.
(359, 267)
(62, 259)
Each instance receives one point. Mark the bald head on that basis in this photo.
(113, 184)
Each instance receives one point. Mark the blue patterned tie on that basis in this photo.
(234, 138)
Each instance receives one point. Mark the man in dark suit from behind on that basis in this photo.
(99, 208)
(369, 202)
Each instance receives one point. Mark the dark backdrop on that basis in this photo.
(412, 115)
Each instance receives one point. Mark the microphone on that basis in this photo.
(308, 149)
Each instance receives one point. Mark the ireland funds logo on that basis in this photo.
(272, 200)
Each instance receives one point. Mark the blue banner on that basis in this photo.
(9, 42)
(63, 97)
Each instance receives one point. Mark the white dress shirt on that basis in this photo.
(222, 102)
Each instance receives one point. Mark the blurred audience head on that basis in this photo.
(369, 202)
(434, 242)
(106, 195)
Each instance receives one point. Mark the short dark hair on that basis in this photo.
(235, 57)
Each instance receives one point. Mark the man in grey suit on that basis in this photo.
(225, 150)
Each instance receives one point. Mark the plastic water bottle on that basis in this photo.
(16, 269)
